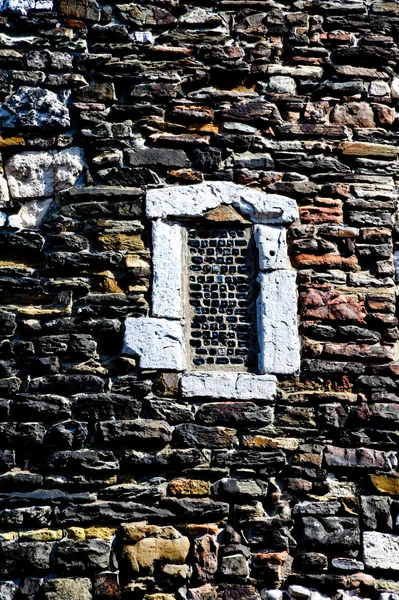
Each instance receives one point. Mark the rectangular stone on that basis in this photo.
(167, 243)
(229, 386)
(381, 550)
(277, 323)
(159, 343)
(272, 246)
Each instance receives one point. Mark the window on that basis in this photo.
(224, 308)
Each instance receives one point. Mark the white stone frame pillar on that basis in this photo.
(159, 340)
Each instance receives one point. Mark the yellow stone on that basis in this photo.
(207, 128)
(368, 149)
(351, 505)
(199, 529)
(159, 597)
(41, 535)
(103, 533)
(16, 140)
(387, 484)
(7, 536)
(262, 441)
(76, 533)
(188, 487)
(121, 241)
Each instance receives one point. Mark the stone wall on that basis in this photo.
(112, 485)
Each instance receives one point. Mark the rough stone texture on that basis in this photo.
(381, 550)
(34, 108)
(167, 257)
(278, 117)
(68, 589)
(36, 174)
(194, 201)
(277, 323)
(158, 342)
(239, 386)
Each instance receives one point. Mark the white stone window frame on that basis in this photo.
(160, 340)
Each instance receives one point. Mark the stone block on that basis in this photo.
(67, 589)
(381, 550)
(272, 246)
(231, 386)
(167, 259)
(194, 200)
(159, 343)
(277, 323)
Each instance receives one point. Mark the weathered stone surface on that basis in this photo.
(153, 545)
(82, 556)
(38, 174)
(381, 550)
(195, 200)
(31, 108)
(333, 532)
(139, 432)
(228, 386)
(68, 589)
(357, 458)
(158, 342)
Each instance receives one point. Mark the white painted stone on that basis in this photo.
(167, 244)
(19, 6)
(143, 37)
(4, 193)
(277, 323)
(379, 88)
(381, 550)
(3, 219)
(8, 589)
(68, 166)
(230, 386)
(299, 591)
(31, 214)
(30, 174)
(272, 246)
(281, 84)
(395, 88)
(195, 200)
(40, 174)
(159, 343)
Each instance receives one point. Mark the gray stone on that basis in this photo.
(331, 532)
(67, 589)
(240, 488)
(375, 512)
(34, 108)
(166, 158)
(82, 557)
(167, 261)
(348, 564)
(281, 84)
(138, 432)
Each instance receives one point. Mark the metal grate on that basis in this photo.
(221, 297)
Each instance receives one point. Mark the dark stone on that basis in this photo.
(250, 458)
(67, 384)
(208, 160)
(106, 513)
(272, 533)
(330, 532)
(91, 462)
(375, 513)
(163, 158)
(234, 413)
(41, 407)
(139, 432)
(81, 557)
(18, 558)
(104, 407)
(188, 510)
(173, 460)
(169, 410)
(190, 435)
(21, 435)
(7, 323)
(7, 460)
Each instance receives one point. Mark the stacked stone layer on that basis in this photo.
(111, 484)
